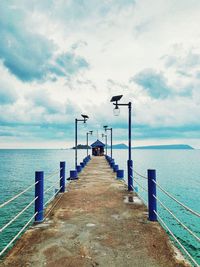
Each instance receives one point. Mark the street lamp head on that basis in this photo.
(105, 127)
(116, 98)
(85, 117)
(91, 132)
(116, 110)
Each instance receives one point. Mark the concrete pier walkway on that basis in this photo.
(92, 225)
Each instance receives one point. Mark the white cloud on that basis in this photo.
(118, 40)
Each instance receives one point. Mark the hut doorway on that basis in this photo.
(98, 148)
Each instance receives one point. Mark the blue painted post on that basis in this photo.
(130, 175)
(73, 174)
(62, 176)
(120, 174)
(39, 193)
(82, 165)
(78, 168)
(112, 164)
(116, 168)
(151, 193)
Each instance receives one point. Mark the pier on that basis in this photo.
(95, 222)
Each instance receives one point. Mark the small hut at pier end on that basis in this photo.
(98, 148)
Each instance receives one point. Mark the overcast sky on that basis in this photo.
(61, 58)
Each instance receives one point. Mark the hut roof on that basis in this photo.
(97, 144)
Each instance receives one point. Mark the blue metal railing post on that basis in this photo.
(130, 175)
(39, 193)
(62, 176)
(151, 193)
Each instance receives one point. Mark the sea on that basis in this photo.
(177, 171)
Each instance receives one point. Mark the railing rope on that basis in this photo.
(51, 198)
(20, 213)
(176, 200)
(175, 238)
(182, 224)
(38, 200)
(16, 236)
(142, 176)
(53, 173)
(18, 195)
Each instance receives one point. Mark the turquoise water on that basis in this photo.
(17, 172)
(177, 171)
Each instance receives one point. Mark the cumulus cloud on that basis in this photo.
(153, 82)
(7, 95)
(28, 55)
(62, 58)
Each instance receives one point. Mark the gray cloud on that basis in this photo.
(153, 82)
(7, 95)
(28, 55)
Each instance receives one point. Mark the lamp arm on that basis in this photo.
(117, 104)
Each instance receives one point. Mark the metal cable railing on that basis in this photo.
(20, 213)
(144, 189)
(53, 174)
(142, 176)
(49, 211)
(16, 236)
(182, 224)
(143, 200)
(51, 198)
(18, 195)
(38, 200)
(176, 239)
(176, 200)
(152, 182)
(52, 186)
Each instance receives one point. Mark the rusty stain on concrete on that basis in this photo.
(92, 225)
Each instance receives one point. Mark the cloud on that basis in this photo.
(62, 58)
(153, 82)
(31, 56)
(24, 53)
(7, 95)
(70, 64)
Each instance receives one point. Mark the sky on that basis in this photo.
(63, 58)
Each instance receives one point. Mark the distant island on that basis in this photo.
(123, 146)
(178, 146)
(119, 146)
(81, 147)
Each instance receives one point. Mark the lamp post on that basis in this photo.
(105, 135)
(111, 137)
(116, 112)
(85, 117)
(90, 132)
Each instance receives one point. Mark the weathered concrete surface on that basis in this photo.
(93, 226)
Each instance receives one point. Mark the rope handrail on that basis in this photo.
(182, 224)
(134, 188)
(142, 176)
(16, 236)
(53, 207)
(53, 185)
(184, 249)
(144, 201)
(141, 186)
(47, 202)
(176, 200)
(20, 213)
(53, 173)
(18, 195)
